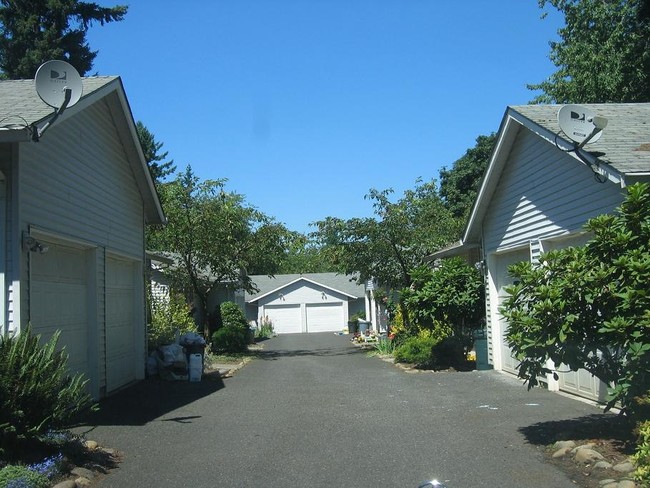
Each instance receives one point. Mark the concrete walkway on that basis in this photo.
(314, 411)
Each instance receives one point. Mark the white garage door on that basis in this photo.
(59, 301)
(503, 279)
(120, 323)
(324, 317)
(286, 319)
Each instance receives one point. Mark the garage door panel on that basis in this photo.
(120, 325)
(286, 319)
(59, 301)
(327, 317)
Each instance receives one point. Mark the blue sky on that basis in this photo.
(304, 105)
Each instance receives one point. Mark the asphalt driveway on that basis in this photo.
(316, 411)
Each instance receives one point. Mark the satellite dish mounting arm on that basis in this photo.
(38, 133)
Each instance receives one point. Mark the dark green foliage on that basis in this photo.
(35, 31)
(230, 339)
(233, 316)
(37, 393)
(450, 297)
(459, 185)
(151, 148)
(603, 54)
(589, 307)
(417, 350)
(13, 476)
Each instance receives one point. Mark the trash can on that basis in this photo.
(364, 325)
(353, 327)
(481, 348)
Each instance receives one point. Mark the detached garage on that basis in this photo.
(318, 302)
(73, 209)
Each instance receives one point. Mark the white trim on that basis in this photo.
(302, 278)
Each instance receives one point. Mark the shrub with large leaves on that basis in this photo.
(589, 307)
(37, 391)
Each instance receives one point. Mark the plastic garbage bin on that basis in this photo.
(364, 325)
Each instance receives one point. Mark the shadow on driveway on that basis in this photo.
(615, 428)
(149, 400)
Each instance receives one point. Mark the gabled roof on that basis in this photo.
(332, 281)
(21, 107)
(622, 150)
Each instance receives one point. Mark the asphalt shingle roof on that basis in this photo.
(20, 105)
(625, 142)
(330, 280)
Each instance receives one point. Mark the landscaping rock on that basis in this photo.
(608, 483)
(626, 484)
(564, 445)
(82, 482)
(66, 484)
(602, 465)
(626, 467)
(590, 445)
(561, 452)
(83, 473)
(588, 456)
(92, 445)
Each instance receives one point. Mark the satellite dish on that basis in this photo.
(580, 124)
(54, 79)
(59, 85)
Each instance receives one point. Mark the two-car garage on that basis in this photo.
(319, 302)
(307, 317)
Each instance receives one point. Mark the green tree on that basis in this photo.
(603, 54)
(215, 236)
(589, 307)
(151, 148)
(459, 185)
(398, 240)
(450, 296)
(35, 31)
(303, 255)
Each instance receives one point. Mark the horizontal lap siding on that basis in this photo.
(543, 192)
(88, 192)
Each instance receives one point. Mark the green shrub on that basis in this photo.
(416, 350)
(385, 346)
(37, 392)
(230, 339)
(167, 317)
(13, 476)
(233, 316)
(642, 456)
(266, 329)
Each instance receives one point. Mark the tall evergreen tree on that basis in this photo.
(35, 31)
(151, 148)
(603, 54)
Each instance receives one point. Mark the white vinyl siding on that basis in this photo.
(88, 192)
(543, 192)
(77, 186)
(543, 198)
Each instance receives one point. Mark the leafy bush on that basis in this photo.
(589, 307)
(417, 350)
(37, 393)
(13, 476)
(642, 456)
(167, 317)
(266, 329)
(448, 300)
(233, 316)
(385, 346)
(230, 339)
